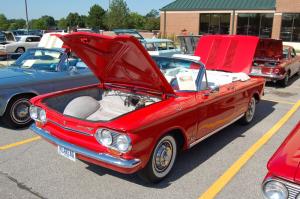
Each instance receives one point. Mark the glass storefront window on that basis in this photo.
(290, 27)
(256, 24)
(214, 24)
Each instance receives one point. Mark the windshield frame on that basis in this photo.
(201, 73)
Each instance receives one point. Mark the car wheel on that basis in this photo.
(285, 81)
(162, 160)
(249, 115)
(20, 50)
(17, 112)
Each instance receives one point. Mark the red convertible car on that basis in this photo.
(145, 110)
(275, 62)
(283, 178)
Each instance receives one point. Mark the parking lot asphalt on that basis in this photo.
(33, 169)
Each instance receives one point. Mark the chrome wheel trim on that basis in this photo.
(20, 50)
(286, 80)
(251, 110)
(19, 111)
(164, 156)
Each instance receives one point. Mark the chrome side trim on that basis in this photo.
(103, 157)
(70, 129)
(215, 131)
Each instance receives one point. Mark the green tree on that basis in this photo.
(117, 16)
(153, 13)
(48, 21)
(136, 21)
(16, 24)
(62, 24)
(3, 22)
(75, 20)
(38, 24)
(152, 21)
(96, 17)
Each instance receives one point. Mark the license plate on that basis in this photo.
(256, 71)
(67, 153)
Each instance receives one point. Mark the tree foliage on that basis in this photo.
(96, 17)
(75, 20)
(118, 15)
(62, 24)
(3, 22)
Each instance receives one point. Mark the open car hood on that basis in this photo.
(227, 53)
(118, 60)
(269, 49)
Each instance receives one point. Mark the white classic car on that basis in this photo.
(21, 44)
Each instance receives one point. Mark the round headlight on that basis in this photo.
(43, 116)
(33, 111)
(123, 143)
(104, 137)
(275, 190)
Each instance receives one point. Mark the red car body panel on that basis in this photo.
(285, 161)
(193, 114)
(114, 60)
(227, 53)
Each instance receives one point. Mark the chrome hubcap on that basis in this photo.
(20, 111)
(163, 156)
(251, 110)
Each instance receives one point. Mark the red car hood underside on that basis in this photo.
(269, 49)
(118, 60)
(227, 53)
(285, 162)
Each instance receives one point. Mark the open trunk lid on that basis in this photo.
(118, 60)
(227, 53)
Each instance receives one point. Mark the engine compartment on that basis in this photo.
(99, 105)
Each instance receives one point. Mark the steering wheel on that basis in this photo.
(174, 84)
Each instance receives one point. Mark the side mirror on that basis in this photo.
(73, 69)
(214, 89)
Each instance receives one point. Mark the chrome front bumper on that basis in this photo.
(102, 157)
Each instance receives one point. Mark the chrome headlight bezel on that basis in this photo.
(116, 140)
(104, 137)
(33, 112)
(121, 141)
(37, 114)
(274, 186)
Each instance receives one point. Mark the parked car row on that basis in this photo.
(108, 101)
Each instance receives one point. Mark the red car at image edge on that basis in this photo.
(283, 178)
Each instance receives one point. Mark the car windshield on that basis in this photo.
(39, 59)
(18, 38)
(182, 74)
(2, 37)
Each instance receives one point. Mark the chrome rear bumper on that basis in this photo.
(102, 157)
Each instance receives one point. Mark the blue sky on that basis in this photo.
(61, 8)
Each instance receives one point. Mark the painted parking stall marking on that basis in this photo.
(8, 146)
(222, 181)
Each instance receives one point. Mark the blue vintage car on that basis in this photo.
(38, 71)
(155, 46)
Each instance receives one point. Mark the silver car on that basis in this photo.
(36, 72)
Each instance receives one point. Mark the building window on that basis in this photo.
(255, 24)
(290, 27)
(214, 24)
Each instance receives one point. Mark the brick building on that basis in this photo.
(264, 18)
